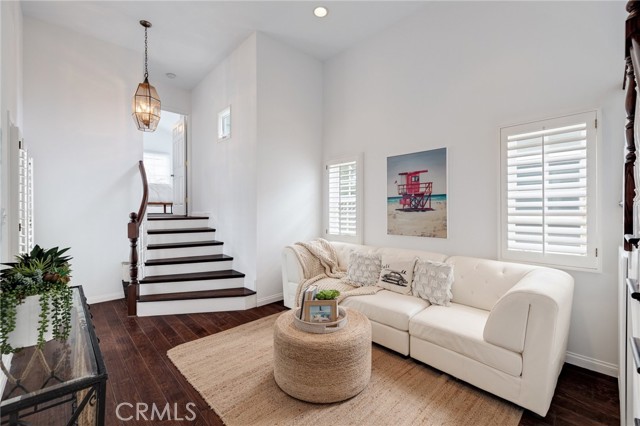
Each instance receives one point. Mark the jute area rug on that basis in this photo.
(233, 372)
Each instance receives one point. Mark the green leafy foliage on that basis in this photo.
(327, 294)
(44, 273)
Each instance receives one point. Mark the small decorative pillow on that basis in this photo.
(396, 275)
(432, 281)
(363, 269)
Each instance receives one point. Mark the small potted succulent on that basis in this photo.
(327, 295)
(35, 303)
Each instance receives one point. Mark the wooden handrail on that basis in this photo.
(145, 193)
(133, 233)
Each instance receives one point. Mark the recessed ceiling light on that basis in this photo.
(320, 11)
(170, 75)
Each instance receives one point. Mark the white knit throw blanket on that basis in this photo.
(319, 260)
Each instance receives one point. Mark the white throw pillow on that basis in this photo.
(363, 269)
(397, 275)
(432, 281)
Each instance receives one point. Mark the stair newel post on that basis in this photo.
(133, 288)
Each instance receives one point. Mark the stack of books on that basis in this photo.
(309, 294)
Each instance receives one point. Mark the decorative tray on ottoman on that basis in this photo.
(321, 327)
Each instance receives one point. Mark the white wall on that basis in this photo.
(77, 122)
(260, 186)
(451, 76)
(162, 139)
(223, 174)
(10, 106)
(289, 157)
(159, 141)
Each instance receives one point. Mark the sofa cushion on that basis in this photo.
(387, 307)
(481, 282)
(364, 269)
(459, 328)
(396, 275)
(432, 281)
(344, 250)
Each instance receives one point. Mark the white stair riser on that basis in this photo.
(175, 307)
(185, 286)
(177, 224)
(183, 252)
(185, 268)
(180, 238)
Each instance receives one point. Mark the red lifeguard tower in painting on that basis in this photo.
(415, 191)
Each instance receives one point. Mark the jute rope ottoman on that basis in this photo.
(322, 368)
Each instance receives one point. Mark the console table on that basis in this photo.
(65, 381)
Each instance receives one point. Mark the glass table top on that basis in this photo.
(32, 371)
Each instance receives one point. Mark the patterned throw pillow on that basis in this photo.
(432, 281)
(396, 275)
(363, 269)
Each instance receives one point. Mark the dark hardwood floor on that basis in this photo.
(134, 351)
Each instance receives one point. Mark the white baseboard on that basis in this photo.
(592, 364)
(270, 299)
(105, 297)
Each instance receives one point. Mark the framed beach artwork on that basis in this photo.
(417, 194)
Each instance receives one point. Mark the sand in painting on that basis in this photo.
(420, 224)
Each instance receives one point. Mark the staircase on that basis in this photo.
(185, 271)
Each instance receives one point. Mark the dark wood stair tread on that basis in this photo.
(192, 276)
(161, 216)
(188, 259)
(184, 245)
(179, 231)
(208, 294)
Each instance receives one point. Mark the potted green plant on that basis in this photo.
(35, 303)
(327, 295)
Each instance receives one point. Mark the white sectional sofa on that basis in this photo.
(505, 331)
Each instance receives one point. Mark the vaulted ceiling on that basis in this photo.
(189, 38)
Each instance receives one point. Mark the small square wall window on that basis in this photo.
(224, 124)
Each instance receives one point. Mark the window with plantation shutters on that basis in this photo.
(548, 189)
(343, 200)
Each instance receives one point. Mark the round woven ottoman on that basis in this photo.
(322, 368)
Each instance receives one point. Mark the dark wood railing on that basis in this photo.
(133, 233)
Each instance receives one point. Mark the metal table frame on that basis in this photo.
(12, 413)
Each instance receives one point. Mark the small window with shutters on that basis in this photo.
(343, 184)
(548, 186)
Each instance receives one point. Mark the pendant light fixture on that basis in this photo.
(146, 103)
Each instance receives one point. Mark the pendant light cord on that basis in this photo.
(146, 71)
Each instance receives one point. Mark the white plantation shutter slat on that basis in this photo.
(525, 220)
(546, 132)
(546, 194)
(516, 245)
(524, 195)
(526, 237)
